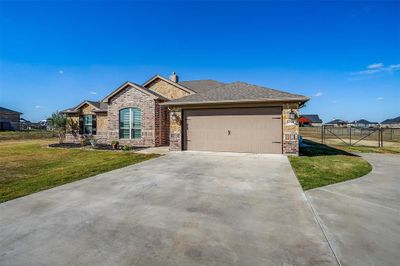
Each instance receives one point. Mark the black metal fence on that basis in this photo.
(353, 136)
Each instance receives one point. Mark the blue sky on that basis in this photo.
(344, 55)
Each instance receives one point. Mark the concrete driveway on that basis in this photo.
(361, 218)
(181, 209)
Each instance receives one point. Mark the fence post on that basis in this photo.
(350, 136)
(322, 134)
(379, 137)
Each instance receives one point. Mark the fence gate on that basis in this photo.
(353, 136)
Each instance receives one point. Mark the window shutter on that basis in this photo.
(81, 124)
(94, 124)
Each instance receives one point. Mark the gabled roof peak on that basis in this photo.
(136, 86)
(176, 84)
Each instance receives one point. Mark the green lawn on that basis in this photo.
(30, 166)
(369, 149)
(33, 134)
(321, 165)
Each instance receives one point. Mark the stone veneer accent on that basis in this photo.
(290, 130)
(101, 125)
(175, 137)
(167, 90)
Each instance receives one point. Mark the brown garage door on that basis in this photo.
(255, 130)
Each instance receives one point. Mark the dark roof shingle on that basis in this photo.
(395, 120)
(337, 121)
(201, 85)
(364, 122)
(8, 111)
(237, 92)
(313, 118)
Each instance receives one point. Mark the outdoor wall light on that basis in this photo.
(292, 115)
(174, 116)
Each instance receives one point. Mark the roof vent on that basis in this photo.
(174, 77)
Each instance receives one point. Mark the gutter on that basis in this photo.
(300, 100)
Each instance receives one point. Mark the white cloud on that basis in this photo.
(379, 98)
(93, 92)
(318, 94)
(394, 67)
(369, 71)
(38, 106)
(60, 72)
(376, 65)
(377, 68)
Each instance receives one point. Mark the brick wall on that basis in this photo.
(161, 125)
(131, 98)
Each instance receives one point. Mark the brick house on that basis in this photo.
(9, 119)
(192, 115)
(310, 121)
(391, 123)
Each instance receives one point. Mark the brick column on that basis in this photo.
(175, 129)
(290, 129)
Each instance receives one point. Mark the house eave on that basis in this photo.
(287, 100)
(128, 83)
(169, 82)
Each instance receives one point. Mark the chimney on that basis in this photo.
(174, 77)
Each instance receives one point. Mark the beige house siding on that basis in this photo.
(167, 90)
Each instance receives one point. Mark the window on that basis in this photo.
(87, 124)
(130, 123)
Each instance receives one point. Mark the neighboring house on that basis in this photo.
(9, 119)
(337, 123)
(310, 121)
(391, 123)
(364, 123)
(192, 115)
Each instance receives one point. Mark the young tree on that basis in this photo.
(58, 122)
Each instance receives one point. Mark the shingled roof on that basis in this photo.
(236, 92)
(395, 120)
(201, 85)
(8, 111)
(364, 122)
(337, 121)
(99, 107)
(313, 118)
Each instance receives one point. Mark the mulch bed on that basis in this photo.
(103, 147)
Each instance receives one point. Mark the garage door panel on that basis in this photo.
(256, 130)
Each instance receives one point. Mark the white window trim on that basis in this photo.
(131, 123)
